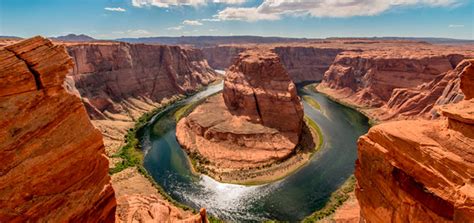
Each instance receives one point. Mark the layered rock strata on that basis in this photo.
(391, 84)
(119, 82)
(306, 63)
(419, 170)
(54, 168)
(255, 122)
(303, 63)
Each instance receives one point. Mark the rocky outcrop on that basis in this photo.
(258, 86)
(119, 82)
(255, 122)
(421, 100)
(419, 170)
(306, 63)
(53, 163)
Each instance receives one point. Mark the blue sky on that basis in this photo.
(107, 19)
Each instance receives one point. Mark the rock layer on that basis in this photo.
(421, 100)
(53, 163)
(420, 171)
(255, 122)
(119, 81)
(306, 63)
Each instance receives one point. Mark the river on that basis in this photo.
(290, 199)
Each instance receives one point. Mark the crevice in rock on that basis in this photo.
(258, 107)
(418, 191)
(35, 73)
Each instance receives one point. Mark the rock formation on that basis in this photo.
(222, 57)
(255, 122)
(303, 63)
(421, 100)
(119, 82)
(419, 170)
(53, 163)
(389, 84)
(306, 63)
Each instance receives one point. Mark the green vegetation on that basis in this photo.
(312, 124)
(336, 200)
(313, 103)
(131, 153)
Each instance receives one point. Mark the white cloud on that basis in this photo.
(168, 3)
(211, 20)
(456, 26)
(192, 23)
(247, 14)
(118, 9)
(175, 28)
(275, 9)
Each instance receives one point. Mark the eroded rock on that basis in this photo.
(255, 122)
(54, 168)
(420, 171)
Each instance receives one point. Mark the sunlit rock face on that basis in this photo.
(420, 170)
(256, 121)
(371, 77)
(421, 101)
(53, 163)
(119, 82)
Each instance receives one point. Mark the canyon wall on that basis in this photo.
(54, 168)
(306, 63)
(119, 82)
(392, 83)
(303, 63)
(221, 57)
(421, 170)
(420, 101)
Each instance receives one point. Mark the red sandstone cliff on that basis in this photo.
(420, 171)
(303, 63)
(421, 100)
(392, 84)
(54, 168)
(118, 82)
(222, 57)
(306, 63)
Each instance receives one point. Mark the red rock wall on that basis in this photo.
(53, 163)
(117, 78)
(302, 63)
(258, 86)
(221, 57)
(306, 63)
(421, 100)
(371, 77)
(420, 171)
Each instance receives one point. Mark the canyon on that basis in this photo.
(119, 82)
(256, 121)
(61, 112)
(48, 132)
(420, 170)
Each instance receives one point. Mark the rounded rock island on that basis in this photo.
(253, 131)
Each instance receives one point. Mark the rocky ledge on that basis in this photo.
(256, 122)
(419, 170)
(54, 167)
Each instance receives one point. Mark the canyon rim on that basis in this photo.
(237, 111)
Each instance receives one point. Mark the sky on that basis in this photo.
(109, 19)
